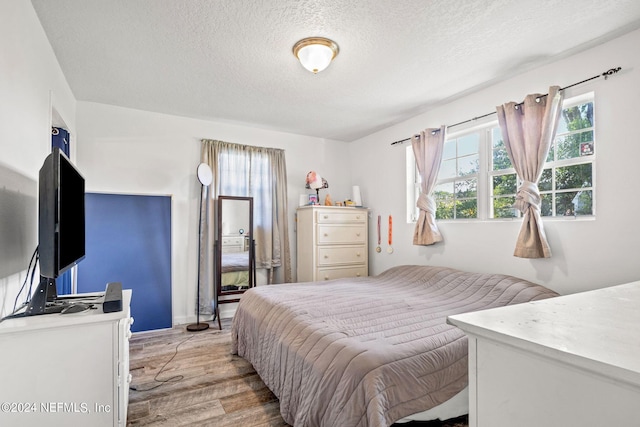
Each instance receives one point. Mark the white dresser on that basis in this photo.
(66, 369)
(566, 361)
(332, 243)
(233, 243)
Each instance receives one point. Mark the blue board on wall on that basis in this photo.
(128, 240)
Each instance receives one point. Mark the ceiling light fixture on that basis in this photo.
(315, 53)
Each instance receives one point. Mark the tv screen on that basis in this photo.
(61, 222)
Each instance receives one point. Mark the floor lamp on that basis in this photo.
(205, 176)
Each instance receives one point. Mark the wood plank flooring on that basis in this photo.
(203, 384)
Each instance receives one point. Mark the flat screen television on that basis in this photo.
(61, 225)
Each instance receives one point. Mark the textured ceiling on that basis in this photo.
(231, 60)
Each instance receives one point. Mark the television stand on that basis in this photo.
(45, 293)
(73, 367)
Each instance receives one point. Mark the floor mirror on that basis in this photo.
(235, 254)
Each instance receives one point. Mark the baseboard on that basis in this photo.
(227, 311)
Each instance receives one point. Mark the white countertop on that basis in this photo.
(596, 330)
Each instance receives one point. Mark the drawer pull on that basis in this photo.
(326, 217)
(357, 216)
(326, 257)
(358, 234)
(326, 277)
(357, 274)
(358, 254)
(326, 234)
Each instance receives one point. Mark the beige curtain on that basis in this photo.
(427, 149)
(528, 130)
(258, 172)
(206, 284)
(275, 255)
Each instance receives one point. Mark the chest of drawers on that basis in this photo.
(66, 369)
(332, 243)
(233, 243)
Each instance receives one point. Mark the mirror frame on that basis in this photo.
(218, 252)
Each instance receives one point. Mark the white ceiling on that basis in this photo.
(231, 60)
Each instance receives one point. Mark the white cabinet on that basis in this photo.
(233, 244)
(565, 361)
(66, 369)
(332, 242)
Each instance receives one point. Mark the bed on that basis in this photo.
(367, 351)
(234, 270)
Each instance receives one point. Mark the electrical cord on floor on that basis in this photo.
(173, 379)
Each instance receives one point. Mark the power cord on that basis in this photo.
(29, 270)
(173, 379)
(13, 314)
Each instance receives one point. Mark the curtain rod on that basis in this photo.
(606, 74)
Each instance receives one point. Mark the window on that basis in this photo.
(248, 173)
(566, 185)
(459, 186)
(258, 172)
(477, 179)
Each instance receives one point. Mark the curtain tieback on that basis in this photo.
(528, 195)
(426, 203)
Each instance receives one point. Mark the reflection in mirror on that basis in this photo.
(235, 254)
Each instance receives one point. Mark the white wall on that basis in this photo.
(122, 150)
(31, 85)
(587, 254)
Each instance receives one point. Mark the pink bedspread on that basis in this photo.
(235, 261)
(367, 351)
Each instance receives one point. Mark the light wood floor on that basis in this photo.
(205, 384)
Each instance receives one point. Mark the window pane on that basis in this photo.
(577, 117)
(551, 153)
(583, 203)
(500, 156)
(504, 184)
(577, 176)
(447, 169)
(468, 165)
(468, 144)
(467, 208)
(503, 207)
(443, 191)
(496, 138)
(574, 203)
(569, 146)
(546, 182)
(468, 188)
(449, 149)
(444, 209)
(546, 208)
(501, 160)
